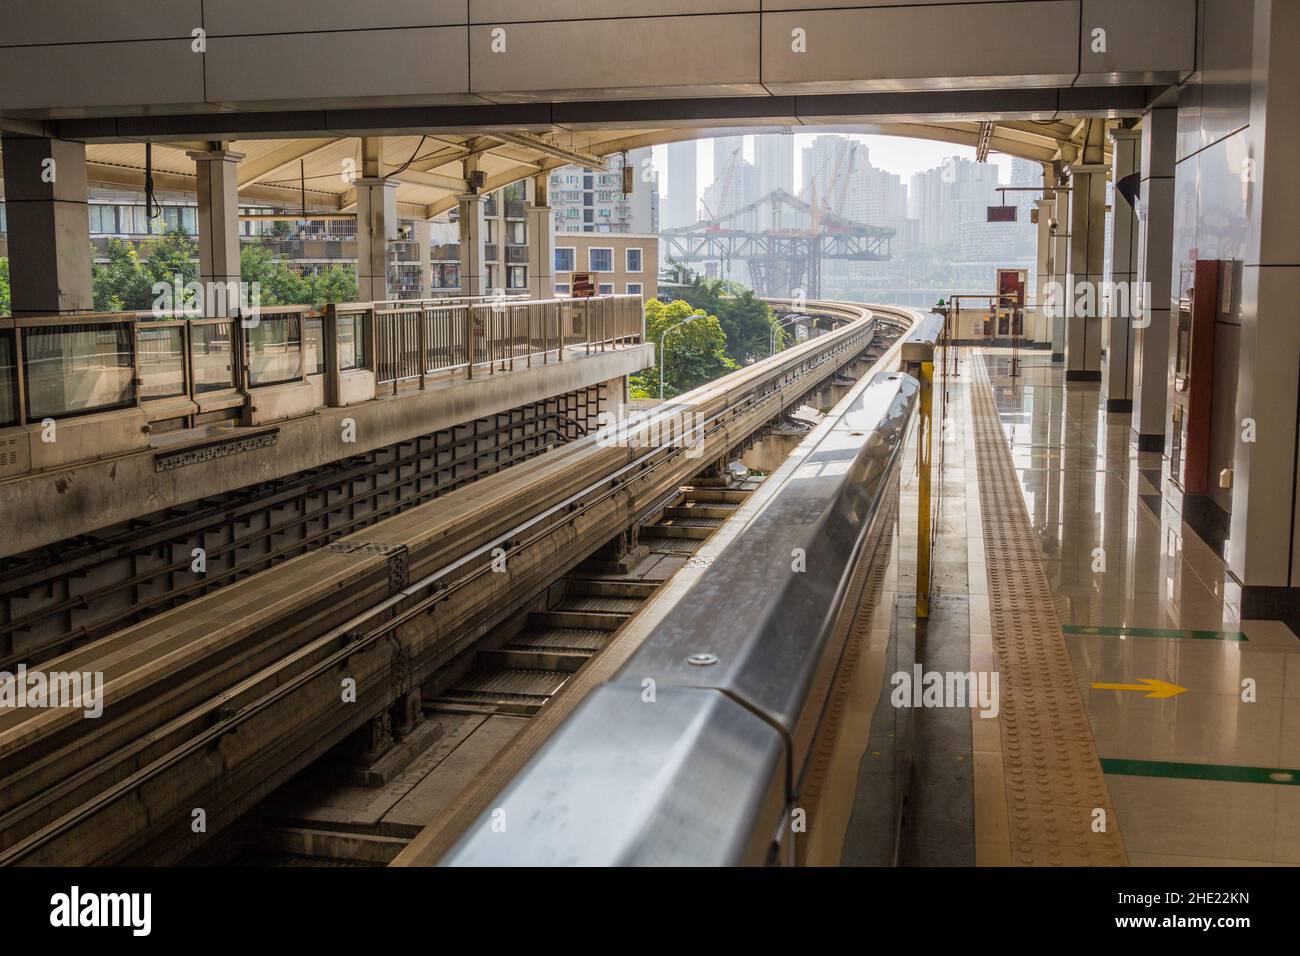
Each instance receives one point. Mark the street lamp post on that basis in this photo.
(664, 335)
(771, 349)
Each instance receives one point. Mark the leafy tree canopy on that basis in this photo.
(4, 287)
(694, 353)
(126, 281)
(747, 320)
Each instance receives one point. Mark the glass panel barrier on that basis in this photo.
(352, 341)
(162, 361)
(210, 354)
(8, 380)
(274, 350)
(74, 369)
(313, 345)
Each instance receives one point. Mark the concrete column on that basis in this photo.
(541, 242)
(49, 226)
(424, 242)
(1040, 324)
(1117, 376)
(1263, 550)
(376, 225)
(217, 175)
(473, 232)
(1086, 271)
(1060, 271)
(1155, 275)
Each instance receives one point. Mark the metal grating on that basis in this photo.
(1053, 776)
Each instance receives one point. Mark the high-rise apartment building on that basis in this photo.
(586, 200)
(958, 190)
(681, 203)
(774, 157)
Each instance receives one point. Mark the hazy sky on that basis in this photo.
(892, 153)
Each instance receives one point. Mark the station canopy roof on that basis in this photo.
(283, 173)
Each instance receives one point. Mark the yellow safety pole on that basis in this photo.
(925, 441)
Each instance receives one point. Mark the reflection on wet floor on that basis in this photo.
(1197, 721)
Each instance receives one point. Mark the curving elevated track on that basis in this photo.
(213, 705)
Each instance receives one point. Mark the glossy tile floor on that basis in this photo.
(1211, 774)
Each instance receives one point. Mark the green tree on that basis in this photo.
(696, 352)
(4, 287)
(278, 283)
(747, 320)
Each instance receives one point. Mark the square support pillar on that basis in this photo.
(1087, 271)
(1155, 277)
(1117, 376)
(541, 251)
(473, 232)
(1263, 548)
(49, 226)
(1041, 327)
(376, 226)
(217, 186)
(424, 243)
(1060, 272)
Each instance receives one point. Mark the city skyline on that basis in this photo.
(902, 156)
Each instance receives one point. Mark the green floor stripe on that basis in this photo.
(1200, 771)
(1190, 635)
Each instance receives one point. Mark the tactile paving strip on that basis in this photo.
(1053, 777)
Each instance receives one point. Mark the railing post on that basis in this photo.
(422, 343)
(925, 442)
(329, 334)
(469, 341)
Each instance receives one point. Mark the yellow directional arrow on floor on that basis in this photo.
(1158, 689)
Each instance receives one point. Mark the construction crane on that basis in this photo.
(823, 207)
(726, 179)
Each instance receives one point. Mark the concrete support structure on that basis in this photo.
(1263, 549)
(541, 242)
(376, 221)
(1117, 376)
(376, 225)
(217, 185)
(1040, 325)
(1086, 271)
(424, 242)
(1055, 301)
(473, 232)
(48, 225)
(1155, 274)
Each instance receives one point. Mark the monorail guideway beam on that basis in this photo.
(126, 794)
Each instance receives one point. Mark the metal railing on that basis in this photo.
(413, 340)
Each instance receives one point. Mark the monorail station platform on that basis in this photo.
(1003, 574)
(1142, 719)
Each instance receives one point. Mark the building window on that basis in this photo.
(562, 288)
(565, 258)
(600, 259)
(634, 261)
(516, 278)
(634, 288)
(606, 288)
